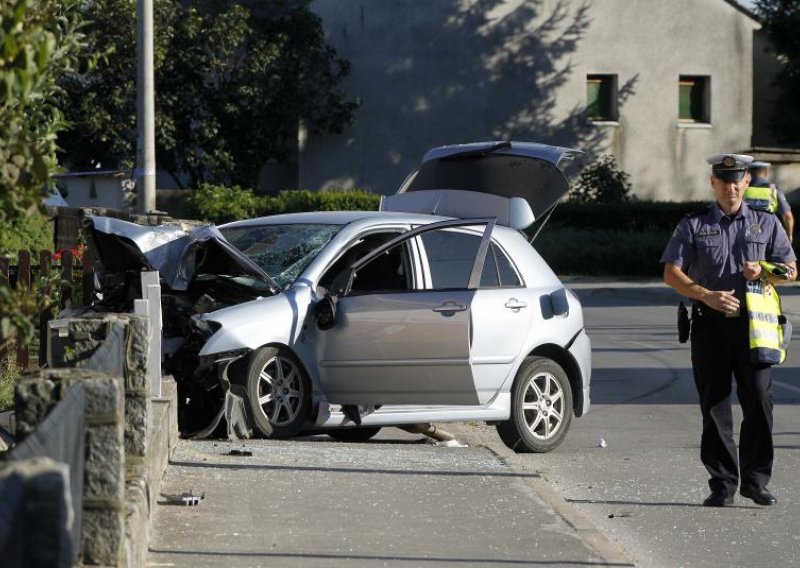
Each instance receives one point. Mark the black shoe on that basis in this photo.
(759, 494)
(718, 498)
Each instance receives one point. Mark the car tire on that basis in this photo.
(278, 393)
(541, 408)
(353, 434)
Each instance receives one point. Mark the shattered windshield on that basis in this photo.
(282, 251)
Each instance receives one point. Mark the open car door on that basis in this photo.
(395, 341)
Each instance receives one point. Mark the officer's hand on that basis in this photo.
(722, 301)
(752, 270)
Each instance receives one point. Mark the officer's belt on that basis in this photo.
(701, 311)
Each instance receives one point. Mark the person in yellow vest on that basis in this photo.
(761, 194)
(711, 258)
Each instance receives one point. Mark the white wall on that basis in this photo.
(432, 72)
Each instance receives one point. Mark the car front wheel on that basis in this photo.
(278, 393)
(541, 408)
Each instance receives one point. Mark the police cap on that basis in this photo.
(758, 165)
(729, 167)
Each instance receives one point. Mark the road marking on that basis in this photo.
(787, 387)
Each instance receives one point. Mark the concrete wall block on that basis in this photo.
(34, 398)
(137, 515)
(37, 516)
(104, 476)
(138, 417)
(102, 534)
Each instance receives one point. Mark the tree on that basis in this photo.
(39, 42)
(602, 182)
(233, 81)
(781, 21)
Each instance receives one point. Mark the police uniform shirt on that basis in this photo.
(711, 247)
(783, 205)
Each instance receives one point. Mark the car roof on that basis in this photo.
(334, 218)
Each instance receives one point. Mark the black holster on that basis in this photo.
(684, 323)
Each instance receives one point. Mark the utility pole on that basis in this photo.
(145, 110)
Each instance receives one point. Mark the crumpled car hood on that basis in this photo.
(176, 251)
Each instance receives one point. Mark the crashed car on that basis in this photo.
(435, 308)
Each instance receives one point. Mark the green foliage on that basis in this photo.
(39, 42)
(9, 375)
(293, 201)
(34, 233)
(602, 182)
(780, 20)
(600, 252)
(219, 204)
(602, 239)
(632, 216)
(234, 80)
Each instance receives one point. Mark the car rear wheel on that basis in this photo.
(353, 434)
(278, 393)
(541, 408)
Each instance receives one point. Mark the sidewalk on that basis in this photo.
(392, 502)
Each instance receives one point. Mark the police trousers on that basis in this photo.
(720, 350)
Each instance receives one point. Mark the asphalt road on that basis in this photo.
(398, 502)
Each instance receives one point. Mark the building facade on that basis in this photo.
(660, 85)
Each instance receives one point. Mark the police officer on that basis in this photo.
(710, 256)
(761, 190)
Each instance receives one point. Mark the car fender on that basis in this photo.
(269, 320)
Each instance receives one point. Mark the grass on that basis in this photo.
(9, 374)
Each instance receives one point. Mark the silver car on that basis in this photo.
(434, 309)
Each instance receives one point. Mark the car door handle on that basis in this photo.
(514, 304)
(450, 307)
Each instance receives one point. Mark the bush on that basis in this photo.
(219, 204)
(602, 182)
(295, 201)
(9, 375)
(34, 233)
(635, 216)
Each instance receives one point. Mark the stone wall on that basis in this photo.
(129, 435)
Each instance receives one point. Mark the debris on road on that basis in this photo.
(188, 499)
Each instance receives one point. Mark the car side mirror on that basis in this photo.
(325, 312)
(343, 282)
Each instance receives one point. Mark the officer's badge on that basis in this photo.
(755, 229)
(728, 161)
(708, 231)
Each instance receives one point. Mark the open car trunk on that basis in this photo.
(537, 173)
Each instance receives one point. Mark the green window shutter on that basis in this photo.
(691, 99)
(600, 97)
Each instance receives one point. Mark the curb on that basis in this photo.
(608, 550)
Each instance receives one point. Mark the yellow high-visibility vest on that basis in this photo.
(770, 331)
(763, 198)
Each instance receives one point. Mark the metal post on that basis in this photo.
(145, 110)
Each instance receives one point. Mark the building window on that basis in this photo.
(694, 99)
(601, 97)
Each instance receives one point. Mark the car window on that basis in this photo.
(451, 256)
(507, 275)
(357, 250)
(282, 251)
